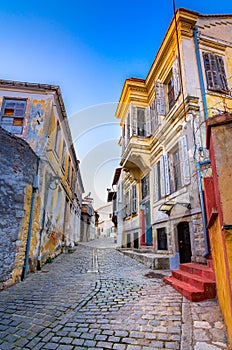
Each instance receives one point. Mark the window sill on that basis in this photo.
(218, 93)
(170, 197)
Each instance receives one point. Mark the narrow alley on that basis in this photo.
(98, 298)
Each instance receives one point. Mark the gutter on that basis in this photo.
(202, 202)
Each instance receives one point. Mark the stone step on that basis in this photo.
(205, 284)
(195, 281)
(198, 269)
(190, 292)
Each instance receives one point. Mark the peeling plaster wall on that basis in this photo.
(18, 167)
(57, 211)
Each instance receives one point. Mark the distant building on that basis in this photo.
(88, 216)
(35, 114)
(106, 227)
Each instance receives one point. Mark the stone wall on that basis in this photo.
(18, 167)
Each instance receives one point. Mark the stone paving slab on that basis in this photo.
(98, 298)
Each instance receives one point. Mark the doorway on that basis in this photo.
(136, 240)
(184, 242)
(128, 240)
(147, 215)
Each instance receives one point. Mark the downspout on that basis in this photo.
(198, 164)
(195, 33)
(202, 202)
(34, 189)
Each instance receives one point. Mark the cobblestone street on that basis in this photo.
(98, 298)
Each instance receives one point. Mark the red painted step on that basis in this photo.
(198, 269)
(195, 281)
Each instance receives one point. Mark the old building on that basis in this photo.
(164, 154)
(88, 227)
(17, 181)
(163, 136)
(35, 115)
(218, 199)
(105, 225)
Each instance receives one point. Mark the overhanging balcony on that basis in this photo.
(136, 156)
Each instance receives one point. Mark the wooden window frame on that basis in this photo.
(57, 138)
(145, 186)
(13, 120)
(215, 73)
(176, 169)
(162, 231)
(141, 122)
(63, 160)
(134, 200)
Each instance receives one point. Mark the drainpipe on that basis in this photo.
(202, 202)
(198, 164)
(34, 189)
(195, 34)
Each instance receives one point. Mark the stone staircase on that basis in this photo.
(195, 281)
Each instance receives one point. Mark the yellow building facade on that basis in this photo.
(163, 120)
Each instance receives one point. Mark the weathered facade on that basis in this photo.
(218, 199)
(36, 114)
(17, 173)
(163, 136)
(105, 224)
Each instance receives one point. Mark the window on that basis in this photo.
(176, 169)
(57, 139)
(145, 186)
(72, 179)
(215, 72)
(134, 199)
(141, 121)
(161, 178)
(154, 117)
(172, 171)
(128, 126)
(69, 170)
(13, 113)
(162, 243)
(158, 180)
(128, 204)
(171, 97)
(63, 156)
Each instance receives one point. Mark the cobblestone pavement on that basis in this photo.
(98, 298)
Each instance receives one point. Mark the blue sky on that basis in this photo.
(88, 48)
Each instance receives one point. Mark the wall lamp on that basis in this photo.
(167, 207)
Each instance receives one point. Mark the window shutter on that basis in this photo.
(167, 176)
(148, 121)
(154, 118)
(222, 73)
(215, 72)
(184, 161)
(134, 199)
(156, 183)
(176, 77)
(134, 123)
(208, 72)
(162, 177)
(160, 98)
(128, 122)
